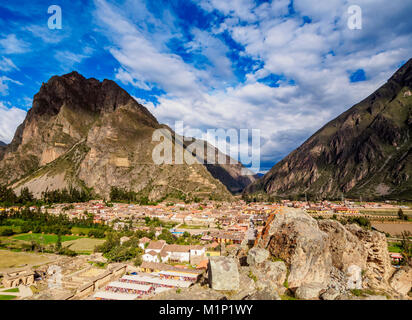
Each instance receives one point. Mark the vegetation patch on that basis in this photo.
(7, 297)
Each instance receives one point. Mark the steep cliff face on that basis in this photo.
(365, 152)
(93, 135)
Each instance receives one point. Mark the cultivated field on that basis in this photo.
(393, 228)
(83, 245)
(43, 238)
(11, 259)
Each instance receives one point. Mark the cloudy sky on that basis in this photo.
(285, 67)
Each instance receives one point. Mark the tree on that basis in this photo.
(402, 216)
(59, 243)
(138, 261)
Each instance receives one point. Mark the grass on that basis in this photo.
(252, 276)
(83, 245)
(7, 297)
(394, 247)
(44, 238)
(78, 230)
(363, 292)
(287, 297)
(12, 290)
(188, 226)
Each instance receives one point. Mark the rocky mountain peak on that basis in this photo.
(80, 94)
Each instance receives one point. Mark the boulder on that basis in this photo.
(256, 256)
(309, 291)
(354, 276)
(223, 274)
(330, 294)
(401, 280)
(295, 237)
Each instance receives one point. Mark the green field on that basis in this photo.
(83, 245)
(78, 230)
(189, 226)
(43, 238)
(4, 297)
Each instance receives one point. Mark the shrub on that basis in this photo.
(6, 232)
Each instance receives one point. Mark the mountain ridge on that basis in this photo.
(364, 152)
(93, 135)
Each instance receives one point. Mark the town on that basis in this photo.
(175, 241)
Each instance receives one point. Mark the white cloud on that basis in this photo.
(4, 87)
(10, 119)
(7, 64)
(47, 35)
(68, 59)
(10, 45)
(317, 56)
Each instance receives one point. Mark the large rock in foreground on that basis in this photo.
(401, 281)
(295, 237)
(223, 274)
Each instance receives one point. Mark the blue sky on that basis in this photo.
(284, 67)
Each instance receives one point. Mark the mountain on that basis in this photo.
(2, 149)
(365, 152)
(93, 135)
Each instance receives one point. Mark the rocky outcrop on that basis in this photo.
(257, 256)
(401, 280)
(223, 274)
(378, 268)
(323, 256)
(361, 254)
(366, 151)
(344, 246)
(295, 238)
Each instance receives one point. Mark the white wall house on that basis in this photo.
(151, 256)
(197, 251)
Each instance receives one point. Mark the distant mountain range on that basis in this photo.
(93, 135)
(365, 152)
